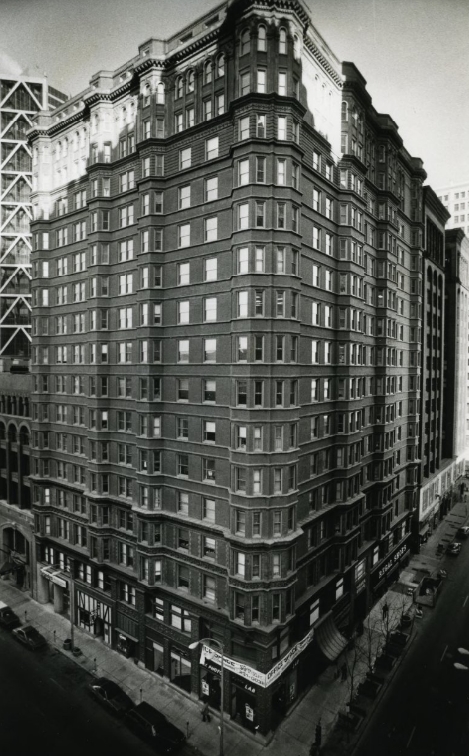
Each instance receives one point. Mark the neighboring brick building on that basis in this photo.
(16, 520)
(455, 375)
(227, 300)
(441, 464)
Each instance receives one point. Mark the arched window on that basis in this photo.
(146, 95)
(208, 72)
(261, 38)
(179, 86)
(221, 65)
(344, 110)
(160, 93)
(190, 81)
(65, 147)
(24, 436)
(296, 47)
(59, 150)
(12, 433)
(282, 42)
(76, 140)
(245, 42)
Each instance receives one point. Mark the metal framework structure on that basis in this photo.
(20, 98)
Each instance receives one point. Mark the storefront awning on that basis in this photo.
(55, 576)
(127, 635)
(329, 639)
(424, 529)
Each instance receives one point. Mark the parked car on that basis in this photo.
(110, 695)
(464, 531)
(30, 637)
(454, 548)
(154, 728)
(8, 618)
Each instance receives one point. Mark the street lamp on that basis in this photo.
(207, 641)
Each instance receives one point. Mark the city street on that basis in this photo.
(425, 711)
(46, 709)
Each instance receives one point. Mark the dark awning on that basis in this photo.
(424, 529)
(329, 639)
(127, 635)
(8, 567)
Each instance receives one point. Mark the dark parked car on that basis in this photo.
(463, 532)
(111, 696)
(153, 727)
(8, 618)
(454, 548)
(30, 637)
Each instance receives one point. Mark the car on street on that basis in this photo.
(8, 618)
(111, 696)
(464, 531)
(454, 548)
(153, 727)
(30, 637)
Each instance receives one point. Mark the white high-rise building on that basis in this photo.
(455, 198)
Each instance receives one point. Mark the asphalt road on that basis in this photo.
(46, 710)
(425, 710)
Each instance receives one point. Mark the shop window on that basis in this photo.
(180, 672)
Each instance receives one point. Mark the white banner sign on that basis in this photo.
(251, 674)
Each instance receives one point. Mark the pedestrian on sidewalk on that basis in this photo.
(205, 713)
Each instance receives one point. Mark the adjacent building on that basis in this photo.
(455, 198)
(21, 96)
(440, 453)
(231, 254)
(456, 380)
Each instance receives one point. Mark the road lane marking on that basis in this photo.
(465, 601)
(57, 683)
(411, 736)
(444, 652)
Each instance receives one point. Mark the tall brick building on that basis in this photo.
(227, 365)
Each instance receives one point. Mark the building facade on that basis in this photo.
(21, 97)
(16, 520)
(228, 275)
(440, 453)
(456, 436)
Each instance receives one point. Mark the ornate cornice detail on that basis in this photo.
(309, 44)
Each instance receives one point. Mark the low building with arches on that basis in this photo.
(16, 518)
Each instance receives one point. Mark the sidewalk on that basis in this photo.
(324, 700)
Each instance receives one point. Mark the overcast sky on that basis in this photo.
(414, 55)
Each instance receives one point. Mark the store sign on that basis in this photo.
(249, 713)
(400, 554)
(361, 585)
(249, 673)
(205, 688)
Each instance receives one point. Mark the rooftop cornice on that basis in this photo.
(322, 60)
(148, 63)
(189, 49)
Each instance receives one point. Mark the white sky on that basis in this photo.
(414, 55)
